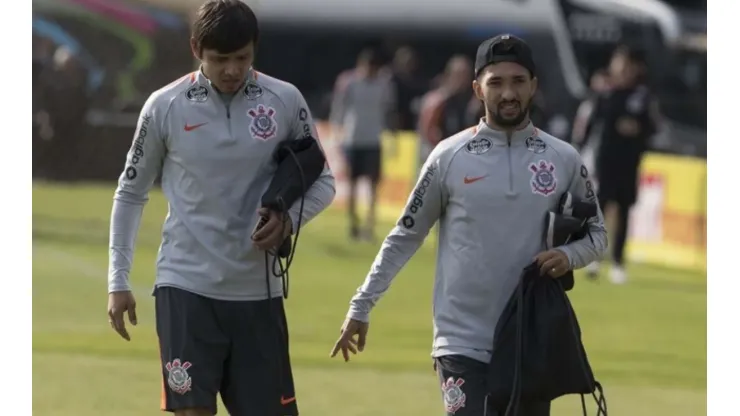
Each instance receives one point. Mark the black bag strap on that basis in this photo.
(600, 399)
(512, 408)
(516, 391)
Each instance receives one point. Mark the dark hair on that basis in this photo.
(225, 26)
(633, 54)
(370, 57)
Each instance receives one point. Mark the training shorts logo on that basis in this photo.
(453, 395)
(543, 178)
(264, 126)
(178, 378)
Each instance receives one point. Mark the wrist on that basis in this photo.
(118, 288)
(358, 315)
(567, 255)
(287, 225)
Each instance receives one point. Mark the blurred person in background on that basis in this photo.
(489, 186)
(363, 108)
(627, 114)
(448, 108)
(43, 53)
(409, 88)
(585, 132)
(212, 136)
(347, 75)
(62, 118)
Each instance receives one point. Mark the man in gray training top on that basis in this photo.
(211, 135)
(490, 187)
(362, 106)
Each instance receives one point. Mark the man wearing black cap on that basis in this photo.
(490, 187)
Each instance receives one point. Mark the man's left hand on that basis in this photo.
(553, 262)
(274, 232)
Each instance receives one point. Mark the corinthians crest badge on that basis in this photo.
(178, 378)
(543, 178)
(264, 126)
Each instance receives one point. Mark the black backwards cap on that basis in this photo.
(504, 48)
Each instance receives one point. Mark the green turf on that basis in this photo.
(646, 340)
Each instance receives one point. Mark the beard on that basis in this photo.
(510, 121)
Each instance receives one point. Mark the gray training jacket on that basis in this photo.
(215, 159)
(490, 195)
(362, 107)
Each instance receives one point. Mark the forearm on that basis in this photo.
(584, 251)
(591, 247)
(338, 109)
(144, 163)
(395, 252)
(318, 197)
(124, 225)
(423, 208)
(336, 117)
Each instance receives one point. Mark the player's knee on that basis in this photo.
(193, 412)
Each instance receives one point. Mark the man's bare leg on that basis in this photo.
(370, 230)
(354, 228)
(618, 274)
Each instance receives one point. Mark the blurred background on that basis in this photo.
(96, 61)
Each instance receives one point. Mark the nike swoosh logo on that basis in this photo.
(194, 126)
(285, 401)
(468, 180)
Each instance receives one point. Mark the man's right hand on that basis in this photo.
(118, 304)
(347, 341)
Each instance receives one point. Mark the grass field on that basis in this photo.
(646, 340)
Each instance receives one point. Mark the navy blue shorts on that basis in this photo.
(236, 348)
(364, 162)
(463, 382)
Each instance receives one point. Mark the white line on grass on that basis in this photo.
(85, 268)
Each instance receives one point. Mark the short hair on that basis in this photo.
(633, 54)
(371, 57)
(225, 26)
